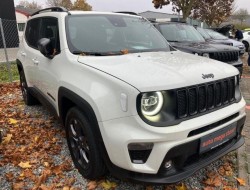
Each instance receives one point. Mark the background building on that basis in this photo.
(8, 21)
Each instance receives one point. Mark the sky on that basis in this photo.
(136, 5)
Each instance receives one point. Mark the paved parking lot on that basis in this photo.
(244, 151)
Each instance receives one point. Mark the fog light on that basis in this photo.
(168, 165)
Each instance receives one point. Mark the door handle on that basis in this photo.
(35, 61)
(23, 54)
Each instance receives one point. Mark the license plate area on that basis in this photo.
(217, 138)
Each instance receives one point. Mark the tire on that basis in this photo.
(83, 145)
(246, 45)
(28, 98)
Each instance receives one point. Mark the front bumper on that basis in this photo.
(170, 143)
(177, 174)
(238, 64)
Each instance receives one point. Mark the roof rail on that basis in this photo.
(128, 12)
(51, 9)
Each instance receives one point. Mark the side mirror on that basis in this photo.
(45, 47)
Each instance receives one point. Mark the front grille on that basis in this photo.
(205, 97)
(230, 56)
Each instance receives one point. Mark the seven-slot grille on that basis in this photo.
(225, 56)
(205, 97)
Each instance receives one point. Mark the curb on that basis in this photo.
(242, 167)
(243, 153)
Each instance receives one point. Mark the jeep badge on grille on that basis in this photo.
(207, 76)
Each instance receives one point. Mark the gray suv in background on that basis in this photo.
(212, 36)
(186, 38)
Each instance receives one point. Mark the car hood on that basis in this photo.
(202, 47)
(232, 41)
(153, 71)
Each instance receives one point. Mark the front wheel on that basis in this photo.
(83, 146)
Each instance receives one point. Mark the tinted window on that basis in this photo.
(203, 33)
(110, 34)
(216, 35)
(49, 29)
(32, 32)
(180, 33)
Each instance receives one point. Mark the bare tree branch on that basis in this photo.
(30, 5)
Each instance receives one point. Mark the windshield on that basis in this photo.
(176, 32)
(112, 34)
(216, 35)
(203, 33)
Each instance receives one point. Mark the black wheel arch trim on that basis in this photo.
(19, 65)
(84, 106)
(76, 100)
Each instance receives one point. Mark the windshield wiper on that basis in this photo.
(91, 53)
(173, 41)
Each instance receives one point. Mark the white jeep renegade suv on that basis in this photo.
(130, 103)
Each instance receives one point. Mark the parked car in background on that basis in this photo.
(186, 38)
(218, 38)
(246, 39)
(226, 30)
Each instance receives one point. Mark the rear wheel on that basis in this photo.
(83, 145)
(28, 98)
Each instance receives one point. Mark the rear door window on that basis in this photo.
(32, 32)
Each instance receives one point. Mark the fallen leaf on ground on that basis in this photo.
(24, 165)
(229, 188)
(12, 121)
(9, 176)
(215, 181)
(181, 187)
(19, 185)
(91, 185)
(41, 179)
(66, 188)
(242, 182)
(108, 185)
(209, 188)
(7, 139)
(36, 138)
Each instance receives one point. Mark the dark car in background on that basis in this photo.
(212, 36)
(186, 38)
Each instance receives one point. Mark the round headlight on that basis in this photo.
(205, 55)
(151, 103)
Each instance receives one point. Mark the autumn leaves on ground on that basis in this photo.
(31, 155)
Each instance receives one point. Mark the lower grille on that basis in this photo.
(213, 125)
